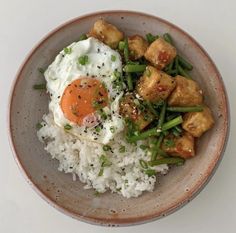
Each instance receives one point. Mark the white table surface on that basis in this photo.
(23, 23)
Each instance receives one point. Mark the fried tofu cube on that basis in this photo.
(129, 109)
(137, 46)
(196, 123)
(155, 85)
(182, 146)
(186, 93)
(107, 33)
(160, 53)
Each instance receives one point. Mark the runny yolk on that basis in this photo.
(82, 98)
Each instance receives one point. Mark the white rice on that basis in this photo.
(82, 158)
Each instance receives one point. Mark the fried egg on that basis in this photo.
(83, 99)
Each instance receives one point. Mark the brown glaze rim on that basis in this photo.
(134, 220)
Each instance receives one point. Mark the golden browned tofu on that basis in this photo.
(186, 93)
(160, 53)
(155, 85)
(182, 146)
(106, 33)
(137, 46)
(129, 109)
(196, 123)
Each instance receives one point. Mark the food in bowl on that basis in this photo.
(121, 110)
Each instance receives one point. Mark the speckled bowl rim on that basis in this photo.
(138, 220)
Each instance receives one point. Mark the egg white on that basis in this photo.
(66, 68)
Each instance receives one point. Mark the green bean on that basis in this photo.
(186, 109)
(161, 152)
(167, 37)
(129, 82)
(178, 128)
(128, 75)
(183, 72)
(175, 132)
(126, 50)
(162, 116)
(156, 131)
(172, 72)
(172, 123)
(176, 63)
(172, 116)
(134, 68)
(151, 38)
(150, 172)
(169, 160)
(169, 66)
(152, 110)
(40, 86)
(185, 64)
(165, 133)
(155, 148)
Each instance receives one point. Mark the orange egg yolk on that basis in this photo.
(82, 98)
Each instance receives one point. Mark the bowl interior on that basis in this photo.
(178, 187)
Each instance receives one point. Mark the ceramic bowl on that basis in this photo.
(27, 107)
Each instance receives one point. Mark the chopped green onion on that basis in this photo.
(83, 37)
(96, 193)
(41, 70)
(143, 147)
(112, 129)
(147, 72)
(83, 60)
(121, 45)
(40, 86)
(98, 129)
(67, 127)
(113, 58)
(102, 114)
(39, 126)
(143, 164)
(170, 160)
(198, 108)
(106, 148)
(67, 50)
(122, 149)
(101, 171)
(104, 161)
